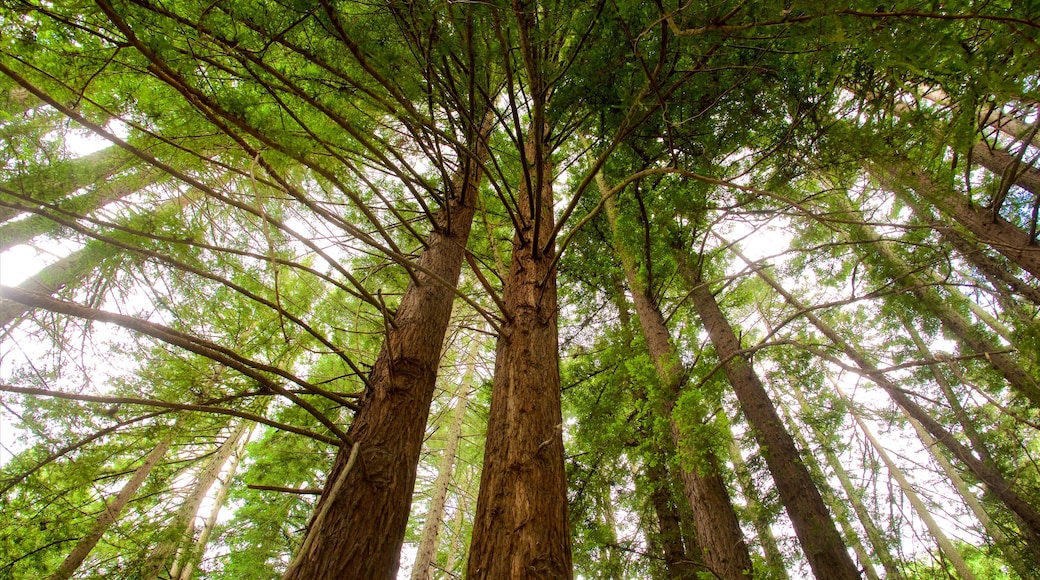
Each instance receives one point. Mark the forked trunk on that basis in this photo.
(363, 527)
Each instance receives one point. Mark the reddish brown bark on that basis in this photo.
(521, 528)
(361, 533)
(813, 524)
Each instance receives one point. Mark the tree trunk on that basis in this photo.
(21, 231)
(720, 539)
(1006, 165)
(774, 558)
(432, 526)
(363, 528)
(941, 539)
(182, 527)
(813, 524)
(988, 228)
(61, 180)
(669, 538)
(874, 535)
(999, 486)
(185, 567)
(521, 529)
(67, 271)
(111, 512)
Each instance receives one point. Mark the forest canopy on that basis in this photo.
(321, 289)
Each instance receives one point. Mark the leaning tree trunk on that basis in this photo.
(362, 526)
(813, 524)
(941, 538)
(183, 520)
(111, 512)
(521, 528)
(759, 517)
(720, 539)
(998, 485)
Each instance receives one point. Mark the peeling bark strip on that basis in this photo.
(521, 528)
(813, 524)
(361, 533)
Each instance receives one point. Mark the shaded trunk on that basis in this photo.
(363, 527)
(111, 512)
(431, 527)
(669, 537)
(813, 524)
(521, 529)
(774, 558)
(1007, 166)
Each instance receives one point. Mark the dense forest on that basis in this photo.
(323, 289)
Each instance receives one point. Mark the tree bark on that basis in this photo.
(364, 526)
(989, 228)
(774, 558)
(111, 512)
(521, 529)
(721, 541)
(813, 524)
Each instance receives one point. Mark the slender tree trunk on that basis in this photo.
(669, 537)
(67, 271)
(185, 567)
(1006, 165)
(521, 529)
(999, 486)
(941, 539)
(771, 550)
(724, 550)
(364, 525)
(431, 527)
(834, 502)
(17, 232)
(182, 527)
(813, 524)
(874, 535)
(111, 512)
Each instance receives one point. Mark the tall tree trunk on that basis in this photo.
(724, 550)
(521, 529)
(813, 524)
(669, 537)
(1007, 166)
(182, 527)
(947, 547)
(984, 224)
(771, 550)
(61, 180)
(834, 502)
(20, 231)
(363, 527)
(999, 486)
(67, 271)
(874, 535)
(111, 512)
(184, 569)
(431, 527)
